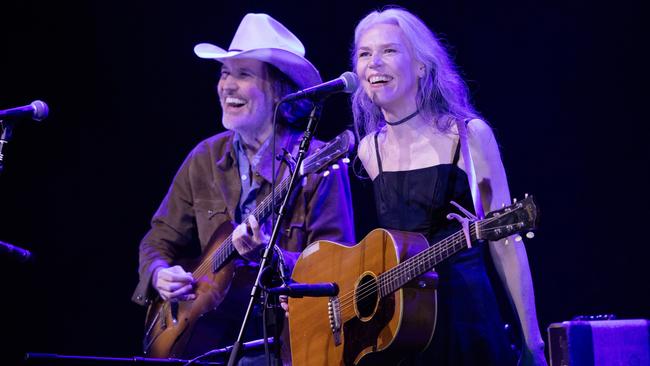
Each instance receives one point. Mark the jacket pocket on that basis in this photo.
(209, 214)
(295, 235)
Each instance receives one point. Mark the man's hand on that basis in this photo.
(248, 239)
(174, 283)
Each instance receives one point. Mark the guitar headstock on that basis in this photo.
(327, 154)
(519, 217)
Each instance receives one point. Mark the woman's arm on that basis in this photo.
(509, 255)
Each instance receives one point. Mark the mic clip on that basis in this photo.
(298, 290)
(288, 159)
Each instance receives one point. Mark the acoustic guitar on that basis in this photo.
(171, 328)
(386, 306)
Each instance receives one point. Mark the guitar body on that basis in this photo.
(385, 308)
(208, 321)
(372, 330)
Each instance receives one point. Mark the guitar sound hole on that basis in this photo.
(366, 296)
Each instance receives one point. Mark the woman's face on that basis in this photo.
(387, 69)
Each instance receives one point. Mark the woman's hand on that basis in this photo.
(284, 302)
(533, 355)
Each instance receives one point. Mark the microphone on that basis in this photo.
(346, 83)
(325, 289)
(19, 254)
(37, 110)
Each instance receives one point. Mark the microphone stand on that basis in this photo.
(268, 251)
(5, 136)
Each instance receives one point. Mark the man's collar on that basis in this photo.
(263, 161)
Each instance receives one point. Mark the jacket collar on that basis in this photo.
(285, 139)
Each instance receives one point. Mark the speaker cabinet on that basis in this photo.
(600, 343)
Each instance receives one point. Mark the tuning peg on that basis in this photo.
(326, 173)
(518, 238)
(346, 160)
(503, 205)
(335, 166)
(530, 235)
(525, 195)
(514, 200)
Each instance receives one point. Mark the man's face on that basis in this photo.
(245, 95)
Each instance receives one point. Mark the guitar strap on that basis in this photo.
(469, 167)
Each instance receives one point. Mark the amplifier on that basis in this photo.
(600, 343)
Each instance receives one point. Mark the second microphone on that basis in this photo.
(346, 83)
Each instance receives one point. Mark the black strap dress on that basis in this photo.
(469, 330)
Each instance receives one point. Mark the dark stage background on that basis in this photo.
(560, 81)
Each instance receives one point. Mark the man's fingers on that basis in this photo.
(252, 221)
(242, 240)
(175, 274)
(171, 286)
(258, 236)
(189, 297)
(182, 294)
(164, 294)
(239, 233)
(242, 243)
(185, 290)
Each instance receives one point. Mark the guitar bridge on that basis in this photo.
(334, 312)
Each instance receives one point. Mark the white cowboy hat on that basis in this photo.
(263, 38)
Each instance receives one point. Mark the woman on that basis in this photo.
(406, 116)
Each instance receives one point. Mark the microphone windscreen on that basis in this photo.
(351, 81)
(41, 110)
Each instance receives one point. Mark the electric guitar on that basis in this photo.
(386, 304)
(171, 328)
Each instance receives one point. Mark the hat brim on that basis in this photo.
(296, 67)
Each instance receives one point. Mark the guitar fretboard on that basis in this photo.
(395, 278)
(226, 251)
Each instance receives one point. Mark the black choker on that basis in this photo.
(404, 119)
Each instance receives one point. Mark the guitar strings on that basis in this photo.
(368, 289)
(409, 264)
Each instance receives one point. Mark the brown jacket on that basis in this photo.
(205, 194)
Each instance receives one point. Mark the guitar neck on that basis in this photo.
(227, 250)
(395, 278)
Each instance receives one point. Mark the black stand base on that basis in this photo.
(54, 359)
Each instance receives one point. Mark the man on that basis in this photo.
(227, 176)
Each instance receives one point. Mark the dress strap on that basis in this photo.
(469, 167)
(381, 170)
(457, 153)
(451, 188)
